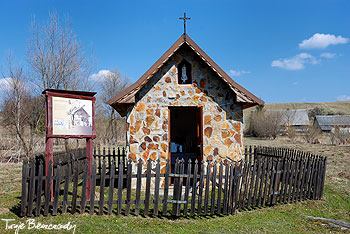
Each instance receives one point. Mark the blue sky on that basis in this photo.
(282, 51)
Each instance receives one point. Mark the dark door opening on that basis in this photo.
(185, 134)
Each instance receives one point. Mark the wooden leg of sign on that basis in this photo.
(48, 159)
(90, 158)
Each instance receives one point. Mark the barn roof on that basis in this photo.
(326, 121)
(294, 117)
(127, 96)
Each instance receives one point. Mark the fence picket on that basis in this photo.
(230, 190)
(148, 185)
(102, 187)
(93, 188)
(283, 179)
(227, 172)
(156, 189)
(266, 180)
(179, 192)
(251, 187)
(194, 187)
(288, 179)
(138, 187)
(237, 179)
(111, 184)
(201, 184)
(120, 184)
(24, 188)
(259, 163)
(187, 189)
(56, 190)
(271, 181)
(276, 184)
(296, 177)
(128, 188)
(48, 189)
(166, 187)
(220, 188)
(246, 186)
(262, 179)
(39, 189)
(291, 179)
(75, 186)
(302, 178)
(213, 190)
(65, 192)
(207, 188)
(31, 189)
(176, 185)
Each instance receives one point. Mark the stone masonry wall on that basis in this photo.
(147, 120)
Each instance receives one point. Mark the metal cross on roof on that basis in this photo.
(184, 19)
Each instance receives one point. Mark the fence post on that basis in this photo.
(323, 175)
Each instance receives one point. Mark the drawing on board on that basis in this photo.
(71, 116)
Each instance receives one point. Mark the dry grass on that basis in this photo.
(338, 157)
(10, 177)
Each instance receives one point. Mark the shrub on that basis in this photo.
(264, 124)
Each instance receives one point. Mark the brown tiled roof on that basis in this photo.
(127, 96)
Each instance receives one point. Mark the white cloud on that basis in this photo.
(343, 98)
(295, 63)
(327, 55)
(5, 83)
(321, 41)
(100, 75)
(232, 72)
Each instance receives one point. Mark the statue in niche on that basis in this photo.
(184, 75)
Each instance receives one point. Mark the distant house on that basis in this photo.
(298, 118)
(81, 118)
(333, 123)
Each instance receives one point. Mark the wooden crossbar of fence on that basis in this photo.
(265, 177)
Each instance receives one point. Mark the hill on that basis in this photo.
(342, 107)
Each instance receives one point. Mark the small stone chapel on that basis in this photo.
(185, 106)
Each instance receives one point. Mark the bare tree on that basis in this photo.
(56, 57)
(20, 110)
(265, 123)
(111, 84)
(316, 111)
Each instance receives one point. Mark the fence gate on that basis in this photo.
(177, 179)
